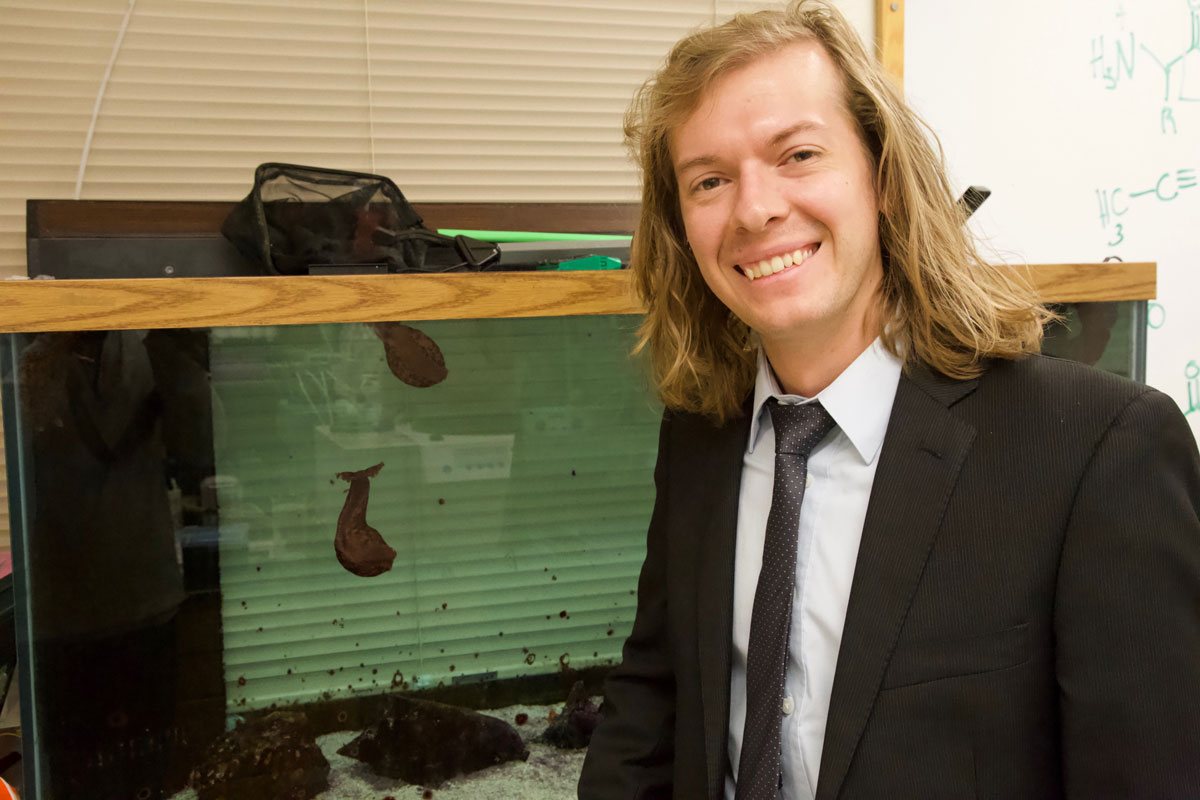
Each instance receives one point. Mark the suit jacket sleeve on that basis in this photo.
(631, 755)
(1127, 612)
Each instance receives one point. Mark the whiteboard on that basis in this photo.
(1083, 118)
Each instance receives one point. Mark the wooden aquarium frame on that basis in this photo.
(145, 303)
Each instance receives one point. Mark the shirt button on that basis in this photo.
(788, 706)
(808, 481)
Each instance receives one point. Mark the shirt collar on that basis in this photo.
(859, 400)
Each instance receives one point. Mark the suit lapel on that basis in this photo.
(923, 450)
(715, 516)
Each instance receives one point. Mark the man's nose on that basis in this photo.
(759, 200)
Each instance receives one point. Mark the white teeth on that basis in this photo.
(778, 263)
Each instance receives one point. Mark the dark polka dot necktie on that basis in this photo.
(798, 429)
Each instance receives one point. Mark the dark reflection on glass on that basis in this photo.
(1109, 336)
(118, 432)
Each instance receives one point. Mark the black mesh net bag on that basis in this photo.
(299, 220)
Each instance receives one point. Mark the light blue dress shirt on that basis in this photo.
(840, 472)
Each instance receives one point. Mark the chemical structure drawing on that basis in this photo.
(1114, 61)
(1116, 202)
(1156, 315)
(1192, 373)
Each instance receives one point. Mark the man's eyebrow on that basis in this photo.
(700, 161)
(805, 126)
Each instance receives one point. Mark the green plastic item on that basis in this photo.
(587, 262)
(527, 236)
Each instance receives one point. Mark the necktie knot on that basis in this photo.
(799, 428)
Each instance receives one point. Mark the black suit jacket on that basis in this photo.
(1024, 619)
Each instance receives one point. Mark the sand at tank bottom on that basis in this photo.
(548, 774)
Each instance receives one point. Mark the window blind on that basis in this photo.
(459, 100)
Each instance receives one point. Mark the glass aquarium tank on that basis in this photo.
(239, 546)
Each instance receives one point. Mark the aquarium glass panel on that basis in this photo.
(1109, 336)
(515, 493)
(216, 526)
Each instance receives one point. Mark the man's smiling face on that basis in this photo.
(779, 202)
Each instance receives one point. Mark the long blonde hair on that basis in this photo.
(940, 303)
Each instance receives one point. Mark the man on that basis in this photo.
(992, 581)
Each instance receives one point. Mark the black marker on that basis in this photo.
(973, 198)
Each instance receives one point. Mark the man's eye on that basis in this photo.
(708, 184)
(801, 155)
